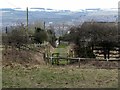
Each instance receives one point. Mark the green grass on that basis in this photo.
(63, 61)
(58, 77)
(62, 45)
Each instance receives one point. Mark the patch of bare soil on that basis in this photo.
(24, 57)
(38, 57)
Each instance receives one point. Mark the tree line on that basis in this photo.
(18, 36)
(86, 37)
(91, 35)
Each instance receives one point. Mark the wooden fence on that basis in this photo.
(55, 58)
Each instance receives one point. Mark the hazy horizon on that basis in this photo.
(60, 4)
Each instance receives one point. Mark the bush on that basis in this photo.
(40, 35)
(51, 37)
(16, 37)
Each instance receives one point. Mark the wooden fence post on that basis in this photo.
(107, 62)
(119, 52)
(52, 59)
(58, 59)
(79, 62)
(67, 58)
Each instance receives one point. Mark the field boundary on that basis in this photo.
(56, 59)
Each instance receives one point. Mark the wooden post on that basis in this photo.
(58, 59)
(27, 19)
(119, 52)
(6, 38)
(51, 59)
(44, 25)
(44, 56)
(27, 37)
(107, 63)
(79, 62)
(67, 58)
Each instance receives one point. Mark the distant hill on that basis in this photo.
(12, 16)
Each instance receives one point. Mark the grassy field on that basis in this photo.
(48, 76)
(58, 77)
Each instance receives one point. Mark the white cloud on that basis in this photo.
(59, 4)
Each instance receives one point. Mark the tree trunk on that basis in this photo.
(104, 53)
(108, 52)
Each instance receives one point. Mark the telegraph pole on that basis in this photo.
(27, 37)
(27, 19)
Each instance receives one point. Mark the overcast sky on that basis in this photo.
(59, 4)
